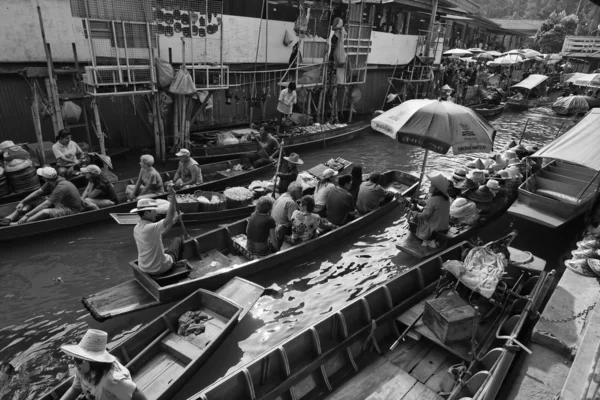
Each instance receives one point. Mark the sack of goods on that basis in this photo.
(238, 197)
(225, 138)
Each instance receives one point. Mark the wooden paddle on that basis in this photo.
(524, 129)
(277, 171)
(186, 235)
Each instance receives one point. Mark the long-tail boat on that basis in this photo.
(216, 176)
(345, 354)
(222, 257)
(160, 359)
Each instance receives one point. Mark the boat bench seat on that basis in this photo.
(239, 245)
(180, 347)
(565, 198)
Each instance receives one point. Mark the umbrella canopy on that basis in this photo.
(494, 53)
(555, 57)
(475, 50)
(457, 52)
(531, 52)
(503, 61)
(587, 80)
(511, 52)
(438, 126)
(483, 56)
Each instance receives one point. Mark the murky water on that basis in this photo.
(42, 279)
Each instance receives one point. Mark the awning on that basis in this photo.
(588, 80)
(573, 77)
(531, 81)
(579, 145)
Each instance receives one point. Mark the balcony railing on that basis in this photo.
(582, 46)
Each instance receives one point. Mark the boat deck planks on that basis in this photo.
(441, 375)
(411, 244)
(154, 376)
(205, 266)
(242, 292)
(428, 365)
(531, 214)
(122, 298)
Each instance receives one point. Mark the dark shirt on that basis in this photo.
(107, 190)
(270, 145)
(287, 174)
(370, 196)
(354, 189)
(65, 194)
(339, 204)
(259, 226)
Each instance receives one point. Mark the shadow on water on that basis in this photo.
(43, 278)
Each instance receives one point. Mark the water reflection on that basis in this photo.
(43, 279)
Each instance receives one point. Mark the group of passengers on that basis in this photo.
(294, 218)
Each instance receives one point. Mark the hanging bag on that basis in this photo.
(183, 83)
(71, 113)
(164, 73)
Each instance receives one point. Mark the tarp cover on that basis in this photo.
(437, 126)
(570, 105)
(531, 81)
(579, 145)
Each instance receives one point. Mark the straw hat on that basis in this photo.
(508, 154)
(476, 175)
(514, 171)
(446, 87)
(92, 347)
(91, 169)
(294, 159)
(440, 182)
(459, 174)
(461, 208)
(467, 184)
(502, 175)
(391, 97)
(328, 173)
(145, 205)
(6, 145)
(482, 195)
(493, 185)
(183, 152)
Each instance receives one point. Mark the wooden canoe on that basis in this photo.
(220, 261)
(161, 361)
(521, 105)
(78, 181)
(345, 354)
(215, 176)
(485, 111)
(293, 143)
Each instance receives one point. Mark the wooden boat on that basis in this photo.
(294, 143)
(488, 111)
(216, 176)
(222, 259)
(232, 213)
(526, 85)
(345, 354)
(78, 181)
(556, 194)
(160, 360)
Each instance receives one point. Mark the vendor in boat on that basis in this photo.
(371, 195)
(67, 154)
(152, 257)
(188, 171)
(286, 101)
(149, 183)
(260, 231)
(436, 214)
(340, 203)
(288, 171)
(98, 374)
(324, 186)
(99, 193)
(282, 212)
(63, 199)
(304, 222)
(268, 147)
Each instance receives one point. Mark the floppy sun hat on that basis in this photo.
(440, 182)
(92, 347)
(91, 169)
(328, 173)
(183, 152)
(294, 158)
(145, 205)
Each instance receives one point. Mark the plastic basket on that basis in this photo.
(212, 206)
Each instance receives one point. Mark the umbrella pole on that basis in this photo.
(422, 173)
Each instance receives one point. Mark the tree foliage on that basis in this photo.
(551, 35)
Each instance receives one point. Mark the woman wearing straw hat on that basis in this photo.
(98, 374)
(322, 190)
(435, 216)
(288, 171)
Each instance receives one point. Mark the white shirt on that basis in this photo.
(69, 152)
(321, 196)
(151, 252)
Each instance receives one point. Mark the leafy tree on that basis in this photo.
(551, 35)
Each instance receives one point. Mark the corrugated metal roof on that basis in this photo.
(518, 24)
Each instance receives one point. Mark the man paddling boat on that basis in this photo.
(152, 257)
(268, 147)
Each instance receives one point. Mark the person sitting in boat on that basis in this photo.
(340, 203)
(188, 172)
(282, 212)
(67, 154)
(268, 147)
(357, 174)
(288, 171)
(99, 193)
(304, 222)
(436, 214)
(371, 195)
(322, 190)
(149, 183)
(260, 231)
(63, 199)
(153, 259)
(482, 197)
(98, 374)
(286, 101)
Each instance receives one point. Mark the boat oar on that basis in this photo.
(559, 129)
(186, 235)
(277, 170)
(524, 129)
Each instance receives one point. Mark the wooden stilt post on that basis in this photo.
(35, 111)
(344, 99)
(161, 127)
(157, 146)
(99, 132)
(53, 115)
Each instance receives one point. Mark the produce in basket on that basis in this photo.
(215, 200)
(238, 193)
(186, 198)
(203, 200)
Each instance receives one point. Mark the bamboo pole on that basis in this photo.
(99, 132)
(37, 123)
(157, 146)
(161, 128)
(53, 115)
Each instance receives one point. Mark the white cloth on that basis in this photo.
(286, 101)
(115, 385)
(321, 196)
(151, 252)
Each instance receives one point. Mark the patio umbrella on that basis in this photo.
(494, 53)
(483, 56)
(504, 61)
(511, 52)
(531, 52)
(438, 126)
(457, 52)
(475, 50)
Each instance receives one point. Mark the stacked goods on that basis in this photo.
(586, 258)
(187, 203)
(238, 197)
(20, 171)
(210, 201)
(4, 189)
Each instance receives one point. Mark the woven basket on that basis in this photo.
(186, 207)
(233, 203)
(23, 181)
(222, 205)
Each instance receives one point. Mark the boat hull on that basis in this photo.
(521, 104)
(216, 153)
(8, 233)
(488, 112)
(220, 241)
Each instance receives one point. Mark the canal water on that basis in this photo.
(42, 279)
